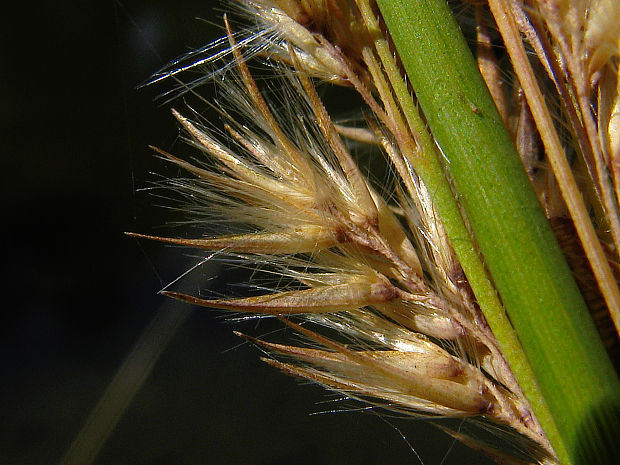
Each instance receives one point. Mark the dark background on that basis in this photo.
(78, 293)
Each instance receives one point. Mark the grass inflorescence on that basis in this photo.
(447, 296)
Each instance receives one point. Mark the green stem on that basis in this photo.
(522, 255)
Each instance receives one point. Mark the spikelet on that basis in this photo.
(373, 284)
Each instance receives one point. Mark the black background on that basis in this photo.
(78, 293)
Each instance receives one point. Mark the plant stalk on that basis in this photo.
(546, 309)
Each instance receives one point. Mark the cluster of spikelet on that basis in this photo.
(372, 283)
